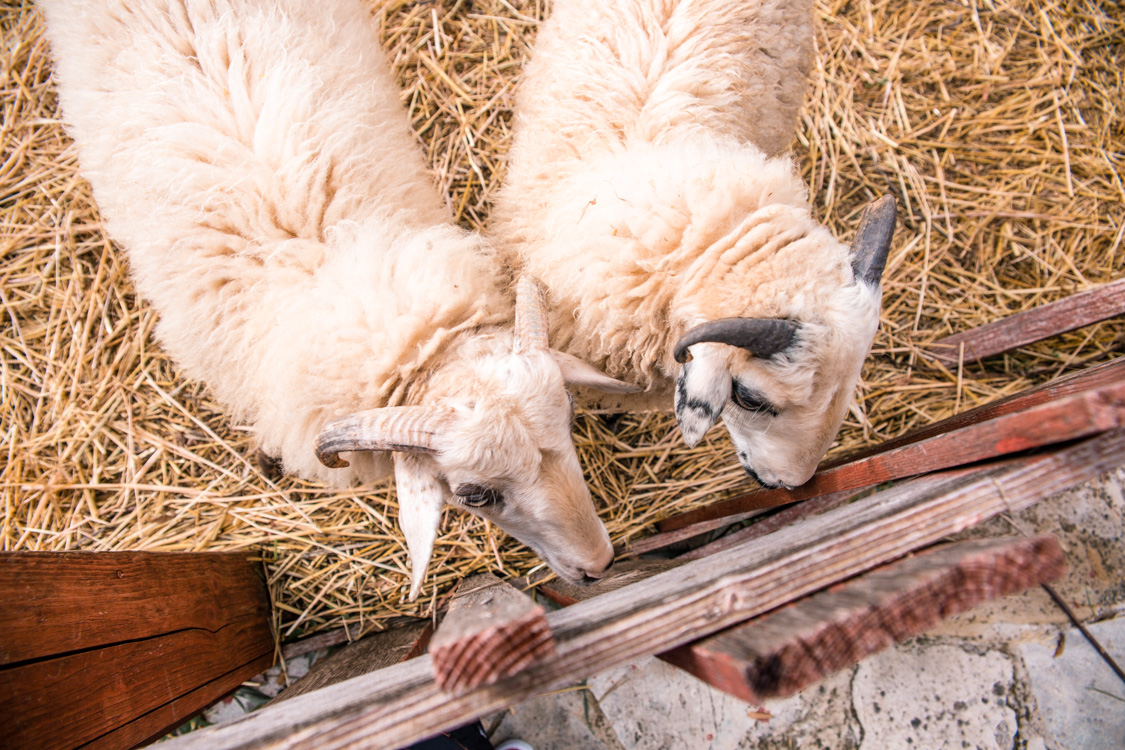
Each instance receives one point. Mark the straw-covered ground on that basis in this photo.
(999, 126)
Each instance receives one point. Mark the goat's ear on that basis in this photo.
(578, 373)
(420, 497)
(702, 391)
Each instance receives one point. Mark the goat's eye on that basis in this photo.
(750, 400)
(476, 496)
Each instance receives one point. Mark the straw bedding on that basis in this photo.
(998, 125)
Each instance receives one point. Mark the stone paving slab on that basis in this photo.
(653, 706)
(935, 697)
(1080, 701)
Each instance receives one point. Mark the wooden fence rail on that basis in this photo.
(399, 705)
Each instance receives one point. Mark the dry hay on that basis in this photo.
(997, 125)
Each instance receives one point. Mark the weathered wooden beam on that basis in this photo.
(110, 649)
(491, 631)
(777, 521)
(1081, 381)
(797, 646)
(1067, 418)
(402, 704)
(1021, 329)
(369, 654)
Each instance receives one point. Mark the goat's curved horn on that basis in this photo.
(395, 428)
(873, 240)
(762, 337)
(531, 315)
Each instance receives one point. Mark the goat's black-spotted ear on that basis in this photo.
(702, 390)
(577, 373)
(873, 240)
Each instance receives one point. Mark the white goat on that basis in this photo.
(638, 191)
(255, 162)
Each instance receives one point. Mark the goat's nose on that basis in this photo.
(593, 576)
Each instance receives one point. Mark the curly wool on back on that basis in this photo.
(645, 189)
(255, 162)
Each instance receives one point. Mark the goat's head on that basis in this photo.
(782, 386)
(493, 439)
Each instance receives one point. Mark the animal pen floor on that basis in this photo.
(998, 126)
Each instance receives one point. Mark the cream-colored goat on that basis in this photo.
(642, 189)
(253, 159)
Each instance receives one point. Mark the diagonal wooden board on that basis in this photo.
(1021, 329)
(802, 643)
(399, 705)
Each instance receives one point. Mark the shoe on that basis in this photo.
(514, 745)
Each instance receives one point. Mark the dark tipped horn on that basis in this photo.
(873, 240)
(762, 337)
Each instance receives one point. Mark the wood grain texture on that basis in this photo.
(779, 520)
(1021, 329)
(160, 721)
(1092, 378)
(399, 705)
(1070, 417)
(58, 602)
(374, 652)
(491, 631)
(70, 700)
(797, 646)
(114, 648)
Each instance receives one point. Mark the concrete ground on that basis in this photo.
(1010, 674)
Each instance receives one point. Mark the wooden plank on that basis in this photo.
(376, 651)
(491, 631)
(801, 644)
(1021, 329)
(70, 700)
(58, 602)
(399, 705)
(1068, 418)
(1081, 381)
(779, 520)
(161, 720)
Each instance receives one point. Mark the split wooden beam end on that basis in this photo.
(783, 652)
(491, 631)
